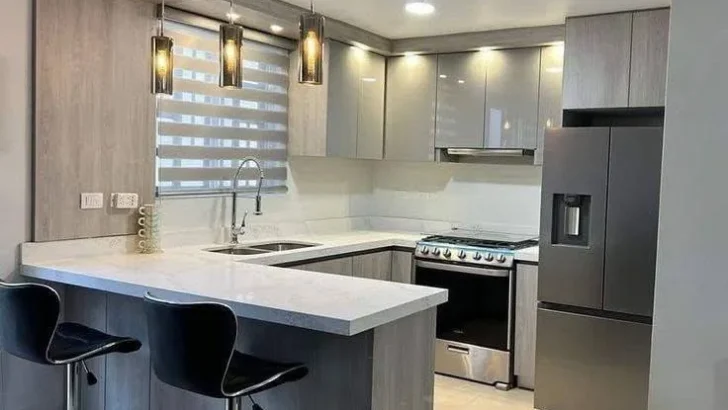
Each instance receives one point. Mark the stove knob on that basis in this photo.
(501, 258)
(462, 255)
(447, 253)
(477, 256)
(436, 251)
(424, 250)
(489, 257)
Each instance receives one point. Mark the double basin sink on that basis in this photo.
(257, 249)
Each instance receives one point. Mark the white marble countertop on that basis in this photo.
(527, 255)
(317, 301)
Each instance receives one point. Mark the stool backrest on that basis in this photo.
(191, 343)
(28, 318)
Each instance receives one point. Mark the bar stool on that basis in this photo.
(192, 347)
(29, 329)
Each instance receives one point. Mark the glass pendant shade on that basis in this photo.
(162, 65)
(231, 56)
(311, 49)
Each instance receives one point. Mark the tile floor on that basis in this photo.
(456, 394)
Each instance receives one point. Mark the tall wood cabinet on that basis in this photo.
(345, 116)
(616, 60)
(410, 113)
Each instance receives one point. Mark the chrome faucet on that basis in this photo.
(235, 230)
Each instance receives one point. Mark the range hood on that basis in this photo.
(487, 155)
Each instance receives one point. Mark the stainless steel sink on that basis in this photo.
(237, 250)
(282, 246)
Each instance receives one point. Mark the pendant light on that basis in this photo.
(162, 61)
(311, 48)
(231, 53)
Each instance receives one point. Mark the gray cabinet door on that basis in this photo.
(374, 266)
(549, 94)
(307, 108)
(511, 102)
(343, 100)
(461, 100)
(597, 60)
(410, 108)
(370, 135)
(593, 363)
(648, 73)
(526, 307)
(632, 217)
(402, 267)
(576, 163)
(340, 266)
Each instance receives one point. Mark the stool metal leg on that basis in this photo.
(72, 386)
(235, 403)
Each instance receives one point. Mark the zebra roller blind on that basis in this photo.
(204, 130)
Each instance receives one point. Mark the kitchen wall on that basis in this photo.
(690, 337)
(495, 197)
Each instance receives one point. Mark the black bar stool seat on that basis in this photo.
(192, 346)
(73, 342)
(30, 330)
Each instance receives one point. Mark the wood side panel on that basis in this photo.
(402, 267)
(526, 309)
(404, 363)
(95, 116)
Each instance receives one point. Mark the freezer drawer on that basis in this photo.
(635, 160)
(585, 362)
(571, 257)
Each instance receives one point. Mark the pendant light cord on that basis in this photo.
(312, 11)
(161, 25)
(230, 13)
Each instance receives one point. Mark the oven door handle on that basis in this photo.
(497, 273)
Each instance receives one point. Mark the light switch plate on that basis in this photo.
(125, 200)
(93, 200)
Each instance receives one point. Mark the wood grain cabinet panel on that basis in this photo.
(94, 114)
(597, 61)
(648, 72)
(374, 266)
(526, 313)
(340, 266)
(511, 102)
(461, 100)
(410, 109)
(402, 267)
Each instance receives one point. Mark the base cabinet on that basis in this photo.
(340, 266)
(402, 267)
(389, 265)
(374, 266)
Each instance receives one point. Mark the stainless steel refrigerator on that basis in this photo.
(600, 203)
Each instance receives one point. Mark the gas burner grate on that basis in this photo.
(481, 243)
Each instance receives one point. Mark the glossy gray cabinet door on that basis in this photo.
(526, 307)
(461, 100)
(648, 72)
(549, 94)
(597, 61)
(374, 266)
(585, 362)
(343, 100)
(410, 108)
(633, 204)
(511, 102)
(370, 135)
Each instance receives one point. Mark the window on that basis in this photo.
(204, 131)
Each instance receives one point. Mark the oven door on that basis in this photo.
(474, 328)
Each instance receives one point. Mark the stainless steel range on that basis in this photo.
(475, 326)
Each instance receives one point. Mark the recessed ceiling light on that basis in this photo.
(461, 81)
(276, 28)
(420, 8)
(361, 45)
(443, 76)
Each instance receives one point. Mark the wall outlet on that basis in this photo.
(93, 200)
(125, 201)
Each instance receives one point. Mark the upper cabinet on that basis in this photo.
(648, 73)
(616, 60)
(511, 102)
(549, 94)
(410, 117)
(461, 80)
(345, 116)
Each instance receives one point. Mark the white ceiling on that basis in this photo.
(388, 18)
